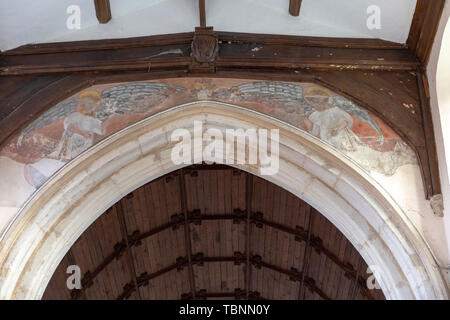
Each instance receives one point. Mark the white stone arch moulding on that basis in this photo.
(51, 221)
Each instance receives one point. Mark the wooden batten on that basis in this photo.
(103, 10)
(424, 26)
(294, 7)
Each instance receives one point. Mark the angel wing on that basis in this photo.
(287, 95)
(58, 112)
(358, 113)
(133, 98)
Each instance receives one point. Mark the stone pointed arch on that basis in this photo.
(65, 206)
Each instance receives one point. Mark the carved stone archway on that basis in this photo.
(56, 216)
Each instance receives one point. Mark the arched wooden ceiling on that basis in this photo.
(210, 232)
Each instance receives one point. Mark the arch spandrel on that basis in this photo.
(55, 138)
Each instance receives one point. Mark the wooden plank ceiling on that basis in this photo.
(213, 232)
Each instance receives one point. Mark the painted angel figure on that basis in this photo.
(79, 129)
(79, 122)
(330, 119)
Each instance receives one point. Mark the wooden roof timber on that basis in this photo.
(306, 254)
(424, 26)
(124, 233)
(238, 294)
(103, 10)
(202, 11)
(294, 7)
(187, 239)
(289, 52)
(248, 213)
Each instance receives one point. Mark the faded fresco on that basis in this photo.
(74, 125)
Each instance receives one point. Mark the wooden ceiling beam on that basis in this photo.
(143, 280)
(187, 230)
(293, 274)
(237, 55)
(424, 27)
(103, 10)
(236, 50)
(238, 294)
(294, 7)
(354, 288)
(248, 209)
(202, 11)
(129, 255)
(306, 253)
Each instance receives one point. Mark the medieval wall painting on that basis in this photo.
(74, 125)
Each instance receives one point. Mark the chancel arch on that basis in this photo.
(52, 220)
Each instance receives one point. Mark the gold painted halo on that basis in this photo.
(317, 92)
(91, 94)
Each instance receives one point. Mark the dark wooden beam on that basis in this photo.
(306, 253)
(143, 280)
(428, 154)
(187, 230)
(129, 255)
(424, 27)
(294, 7)
(248, 226)
(354, 287)
(293, 274)
(202, 10)
(102, 10)
(235, 51)
(238, 294)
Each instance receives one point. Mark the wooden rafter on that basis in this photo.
(424, 26)
(289, 53)
(238, 294)
(306, 253)
(354, 289)
(249, 197)
(103, 10)
(187, 231)
(202, 11)
(129, 255)
(293, 274)
(429, 151)
(294, 7)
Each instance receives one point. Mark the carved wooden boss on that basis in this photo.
(386, 78)
(205, 49)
